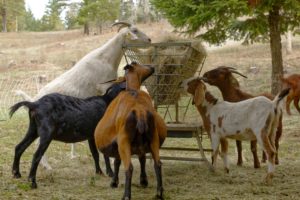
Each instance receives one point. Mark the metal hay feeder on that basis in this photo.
(173, 62)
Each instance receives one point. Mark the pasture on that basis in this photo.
(27, 55)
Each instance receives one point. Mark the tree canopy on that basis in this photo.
(216, 21)
(98, 11)
(12, 15)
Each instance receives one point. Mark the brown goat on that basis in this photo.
(293, 82)
(222, 78)
(132, 126)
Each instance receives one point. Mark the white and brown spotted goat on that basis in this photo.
(252, 119)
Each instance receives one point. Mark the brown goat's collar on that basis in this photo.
(132, 92)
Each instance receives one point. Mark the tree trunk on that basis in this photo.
(275, 44)
(86, 29)
(17, 27)
(289, 47)
(4, 20)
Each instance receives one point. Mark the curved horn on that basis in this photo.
(236, 72)
(225, 67)
(123, 24)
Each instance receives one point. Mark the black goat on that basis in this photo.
(63, 118)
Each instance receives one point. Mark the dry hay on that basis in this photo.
(174, 59)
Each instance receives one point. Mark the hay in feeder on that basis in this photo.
(174, 59)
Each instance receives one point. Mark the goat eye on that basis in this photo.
(135, 31)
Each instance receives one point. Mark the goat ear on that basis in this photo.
(234, 81)
(128, 67)
(198, 96)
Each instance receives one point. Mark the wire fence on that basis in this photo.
(15, 85)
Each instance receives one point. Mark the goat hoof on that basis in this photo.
(268, 179)
(144, 182)
(17, 174)
(126, 198)
(33, 185)
(99, 172)
(159, 195)
(226, 170)
(276, 162)
(114, 184)
(239, 163)
(256, 166)
(73, 156)
(110, 173)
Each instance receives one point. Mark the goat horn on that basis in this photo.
(236, 72)
(227, 67)
(123, 24)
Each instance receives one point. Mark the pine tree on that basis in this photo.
(98, 12)
(51, 19)
(71, 16)
(250, 20)
(12, 15)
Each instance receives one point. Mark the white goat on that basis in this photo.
(85, 78)
(252, 119)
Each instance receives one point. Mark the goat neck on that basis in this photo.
(232, 93)
(204, 107)
(133, 81)
(113, 54)
(208, 102)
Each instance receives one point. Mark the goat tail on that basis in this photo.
(15, 107)
(278, 99)
(140, 124)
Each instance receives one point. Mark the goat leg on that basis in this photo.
(264, 157)
(143, 176)
(296, 103)
(224, 150)
(44, 144)
(277, 138)
(239, 151)
(30, 136)
(115, 179)
(157, 167)
(128, 178)
(253, 145)
(287, 104)
(268, 148)
(95, 155)
(109, 171)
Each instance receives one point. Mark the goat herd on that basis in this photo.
(123, 121)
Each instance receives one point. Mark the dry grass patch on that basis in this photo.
(75, 179)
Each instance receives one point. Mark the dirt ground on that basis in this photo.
(24, 55)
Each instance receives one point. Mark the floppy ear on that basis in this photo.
(128, 67)
(234, 81)
(199, 96)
